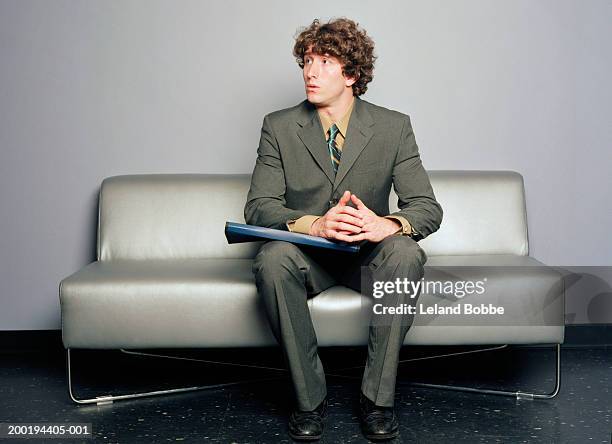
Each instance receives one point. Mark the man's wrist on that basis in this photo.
(405, 227)
(395, 228)
(312, 228)
(302, 225)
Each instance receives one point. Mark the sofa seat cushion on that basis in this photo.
(531, 294)
(163, 303)
(198, 303)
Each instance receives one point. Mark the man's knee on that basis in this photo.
(275, 256)
(403, 251)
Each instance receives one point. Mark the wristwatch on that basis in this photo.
(413, 234)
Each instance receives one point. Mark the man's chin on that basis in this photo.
(314, 99)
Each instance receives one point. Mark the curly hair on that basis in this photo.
(343, 39)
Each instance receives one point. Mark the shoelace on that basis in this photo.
(302, 416)
(377, 415)
(374, 413)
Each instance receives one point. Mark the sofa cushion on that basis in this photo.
(171, 216)
(484, 213)
(531, 294)
(163, 303)
(213, 303)
(181, 216)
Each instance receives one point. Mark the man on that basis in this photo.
(325, 168)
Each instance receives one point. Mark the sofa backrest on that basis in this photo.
(180, 216)
(484, 213)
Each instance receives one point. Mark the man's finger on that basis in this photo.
(350, 210)
(358, 202)
(344, 199)
(342, 226)
(346, 238)
(359, 237)
(343, 217)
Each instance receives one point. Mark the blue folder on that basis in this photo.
(237, 233)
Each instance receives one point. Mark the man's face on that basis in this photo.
(323, 79)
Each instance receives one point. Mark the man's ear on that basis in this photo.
(349, 81)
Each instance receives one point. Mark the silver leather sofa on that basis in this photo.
(165, 276)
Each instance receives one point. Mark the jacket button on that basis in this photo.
(333, 202)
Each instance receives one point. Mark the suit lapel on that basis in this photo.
(311, 134)
(358, 134)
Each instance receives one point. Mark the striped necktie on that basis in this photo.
(334, 152)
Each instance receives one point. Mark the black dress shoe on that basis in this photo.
(377, 423)
(307, 425)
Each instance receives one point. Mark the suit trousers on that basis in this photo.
(286, 275)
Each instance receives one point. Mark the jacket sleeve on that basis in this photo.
(416, 200)
(266, 205)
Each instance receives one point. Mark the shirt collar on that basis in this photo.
(342, 124)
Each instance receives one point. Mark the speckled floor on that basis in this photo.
(33, 389)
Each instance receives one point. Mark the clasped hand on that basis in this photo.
(348, 224)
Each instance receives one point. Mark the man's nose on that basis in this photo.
(313, 70)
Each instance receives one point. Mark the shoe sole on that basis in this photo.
(385, 437)
(305, 438)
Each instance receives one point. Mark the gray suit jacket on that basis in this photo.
(293, 175)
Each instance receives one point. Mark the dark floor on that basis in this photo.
(33, 389)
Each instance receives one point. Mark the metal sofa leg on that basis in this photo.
(445, 355)
(109, 399)
(517, 394)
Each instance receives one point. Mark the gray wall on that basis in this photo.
(91, 89)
